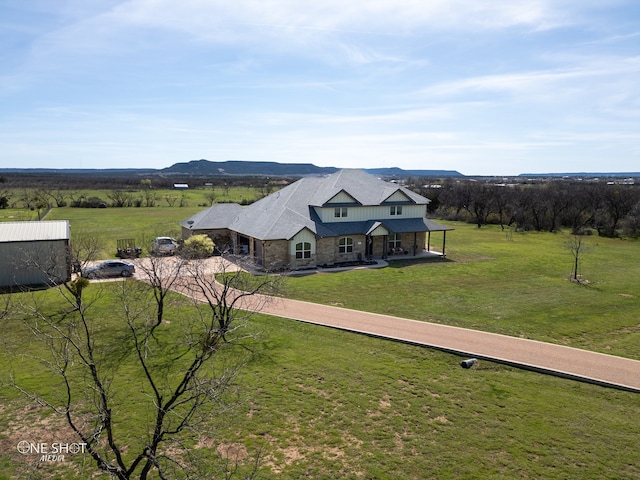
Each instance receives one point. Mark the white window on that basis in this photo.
(395, 210)
(345, 245)
(303, 250)
(340, 212)
(395, 241)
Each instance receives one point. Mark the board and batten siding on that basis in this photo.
(376, 212)
(34, 253)
(34, 263)
(302, 236)
(342, 198)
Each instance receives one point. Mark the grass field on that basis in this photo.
(18, 215)
(515, 284)
(111, 224)
(141, 223)
(321, 403)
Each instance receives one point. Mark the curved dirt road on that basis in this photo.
(577, 364)
(583, 365)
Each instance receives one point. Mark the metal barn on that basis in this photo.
(34, 253)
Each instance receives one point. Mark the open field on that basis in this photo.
(320, 403)
(140, 223)
(514, 284)
(17, 215)
(111, 224)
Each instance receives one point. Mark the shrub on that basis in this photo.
(198, 246)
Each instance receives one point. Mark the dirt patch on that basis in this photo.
(385, 401)
(31, 432)
(235, 452)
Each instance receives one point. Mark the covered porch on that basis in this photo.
(409, 238)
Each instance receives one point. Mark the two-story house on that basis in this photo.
(317, 221)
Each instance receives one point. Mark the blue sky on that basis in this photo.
(484, 87)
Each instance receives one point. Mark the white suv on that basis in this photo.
(164, 246)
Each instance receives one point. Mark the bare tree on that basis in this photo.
(232, 295)
(150, 197)
(171, 200)
(57, 196)
(577, 245)
(617, 203)
(120, 198)
(186, 368)
(162, 275)
(85, 249)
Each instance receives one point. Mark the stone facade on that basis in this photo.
(275, 254)
(328, 250)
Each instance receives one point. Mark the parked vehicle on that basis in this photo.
(127, 248)
(164, 246)
(110, 268)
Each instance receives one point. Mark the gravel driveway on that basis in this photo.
(573, 363)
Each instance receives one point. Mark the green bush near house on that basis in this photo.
(198, 246)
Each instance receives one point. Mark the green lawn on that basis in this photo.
(18, 215)
(511, 284)
(111, 224)
(326, 404)
(141, 223)
(188, 198)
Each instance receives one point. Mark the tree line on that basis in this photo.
(583, 207)
(40, 192)
(610, 209)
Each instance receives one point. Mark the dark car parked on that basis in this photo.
(110, 268)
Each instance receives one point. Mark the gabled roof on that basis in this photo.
(363, 187)
(286, 212)
(34, 231)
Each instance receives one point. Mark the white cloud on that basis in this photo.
(295, 25)
(584, 77)
(381, 16)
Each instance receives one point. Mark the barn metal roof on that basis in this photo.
(34, 231)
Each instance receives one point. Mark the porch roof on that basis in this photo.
(399, 225)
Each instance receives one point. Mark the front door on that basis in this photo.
(368, 251)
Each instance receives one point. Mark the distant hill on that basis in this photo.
(208, 168)
(275, 169)
(239, 167)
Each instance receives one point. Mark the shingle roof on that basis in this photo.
(363, 187)
(286, 212)
(280, 215)
(33, 231)
(218, 216)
